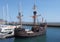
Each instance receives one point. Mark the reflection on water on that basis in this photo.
(7, 40)
(32, 39)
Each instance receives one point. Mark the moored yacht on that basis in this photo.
(7, 30)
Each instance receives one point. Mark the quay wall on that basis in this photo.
(31, 24)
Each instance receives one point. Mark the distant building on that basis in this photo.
(2, 21)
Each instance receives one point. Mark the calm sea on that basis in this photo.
(52, 35)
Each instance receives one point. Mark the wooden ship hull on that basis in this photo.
(35, 31)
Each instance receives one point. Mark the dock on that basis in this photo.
(49, 24)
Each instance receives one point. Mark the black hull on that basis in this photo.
(25, 35)
(37, 31)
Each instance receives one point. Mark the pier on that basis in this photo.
(50, 24)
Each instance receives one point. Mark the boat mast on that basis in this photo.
(3, 14)
(6, 12)
(42, 19)
(20, 15)
(34, 12)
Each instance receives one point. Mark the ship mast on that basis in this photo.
(20, 15)
(34, 12)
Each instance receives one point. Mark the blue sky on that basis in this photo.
(49, 9)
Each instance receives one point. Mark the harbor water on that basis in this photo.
(52, 35)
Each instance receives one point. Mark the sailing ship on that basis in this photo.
(36, 30)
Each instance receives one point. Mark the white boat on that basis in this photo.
(7, 31)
